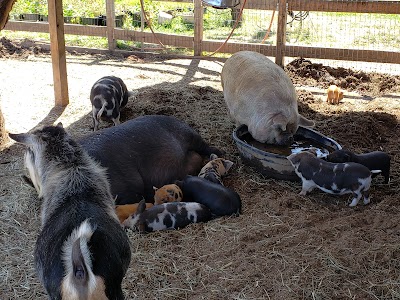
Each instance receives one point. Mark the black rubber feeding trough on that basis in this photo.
(271, 161)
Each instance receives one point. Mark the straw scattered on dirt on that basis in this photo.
(283, 246)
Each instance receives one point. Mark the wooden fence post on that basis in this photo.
(198, 27)
(281, 34)
(58, 56)
(110, 14)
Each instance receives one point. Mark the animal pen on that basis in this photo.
(283, 245)
(355, 31)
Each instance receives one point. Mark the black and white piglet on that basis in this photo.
(221, 200)
(171, 215)
(376, 160)
(108, 96)
(333, 178)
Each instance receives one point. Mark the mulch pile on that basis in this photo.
(304, 72)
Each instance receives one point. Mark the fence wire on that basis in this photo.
(338, 32)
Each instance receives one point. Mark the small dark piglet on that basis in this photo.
(108, 96)
(171, 215)
(376, 160)
(221, 200)
(333, 178)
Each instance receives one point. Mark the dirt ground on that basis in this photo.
(283, 246)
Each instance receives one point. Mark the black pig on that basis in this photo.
(147, 151)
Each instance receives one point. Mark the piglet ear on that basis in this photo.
(141, 207)
(179, 183)
(23, 138)
(313, 150)
(213, 156)
(294, 158)
(227, 164)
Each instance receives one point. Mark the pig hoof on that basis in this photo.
(303, 193)
(366, 201)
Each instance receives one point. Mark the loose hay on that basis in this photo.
(283, 246)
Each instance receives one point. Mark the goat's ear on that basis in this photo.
(23, 138)
(141, 207)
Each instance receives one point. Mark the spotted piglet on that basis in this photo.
(333, 178)
(171, 215)
(126, 210)
(167, 193)
(376, 160)
(215, 169)
(108, 96)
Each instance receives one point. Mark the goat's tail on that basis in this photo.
(79, 281)
(101, 110)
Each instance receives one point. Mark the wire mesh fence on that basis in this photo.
(357, 34)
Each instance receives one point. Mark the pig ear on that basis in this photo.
(280, 121)
(213, 156)
(227, 164)
(23, 138)
(305, 122)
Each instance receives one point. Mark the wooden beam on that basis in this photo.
(58, 56)
(344, 54)
(74, 29)
(148, 37)
(198, 27)
(110, 14)
(281, 34)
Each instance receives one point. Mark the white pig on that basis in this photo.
(259, 94)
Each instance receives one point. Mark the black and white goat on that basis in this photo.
(81, 251)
